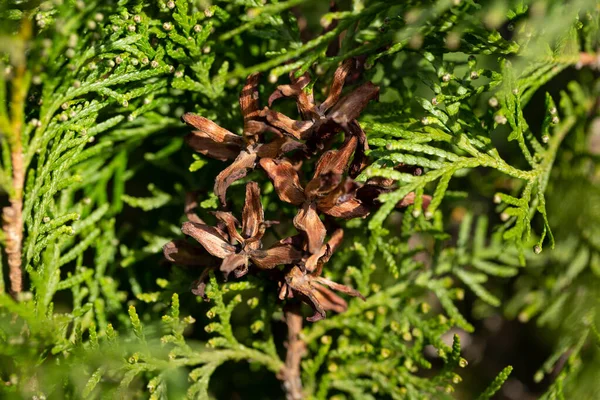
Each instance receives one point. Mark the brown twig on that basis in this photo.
(588, 60)
(12, 215)
(296, 348)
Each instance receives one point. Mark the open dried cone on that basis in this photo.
(282, 146)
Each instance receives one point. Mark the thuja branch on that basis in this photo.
(13, 215)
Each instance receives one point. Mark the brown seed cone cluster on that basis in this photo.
(280, 146)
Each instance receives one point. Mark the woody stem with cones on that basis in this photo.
(12, 215)
(330, 135)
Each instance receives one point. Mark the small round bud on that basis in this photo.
(63, 117)
(130, 117)
(555, 120)
(452, 41)
(208, 13)
(537, 249)
(167, 26)
(257, 326)
(416, 213)
(46, 219)
(553, 110)
(91, 24)
(145, 60)
(493, 102)
(99, 17)
(326, 339)
(272, 78)
(497, 199)
(500, 119)
(463, 363)
(206, 49)
(72, 42)
(171, 4)
(434, 101)
(76, 84)
(125, 103)
(416, 41)
(197, 28)
(171, 69)
(70, 53)
(64, 105)
(446, 77)
(252, 302)
(545, 138)
(515, 91)
(539, 375)
(178, 74)
(118, 60)
(504, 217)
(147, 100)
(154, 64)
(91, 139)
(137, 19)
(131, 28)
(474, 75)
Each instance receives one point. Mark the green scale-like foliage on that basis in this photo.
(511, 223)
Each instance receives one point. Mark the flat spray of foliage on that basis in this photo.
(94, 175)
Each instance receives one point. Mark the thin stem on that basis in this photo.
(13, 215)
(296, 348)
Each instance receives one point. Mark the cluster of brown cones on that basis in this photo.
(281, 146)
